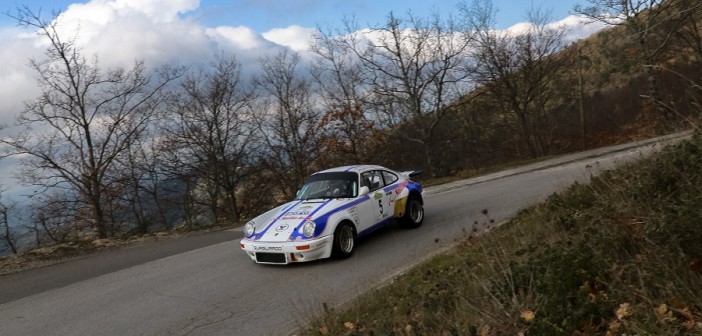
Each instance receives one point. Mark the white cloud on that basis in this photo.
(577, 27)
(18, 82)
(119, 32)
(294, 37)
(519, 28)
(107, 10)
(242, 38)
(160, 10)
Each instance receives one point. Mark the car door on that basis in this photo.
(381, 200)
(392, 181)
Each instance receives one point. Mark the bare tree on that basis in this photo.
(518, 70)
(55, 217)
(288, 121)
(650, 23)
(339, 73)
(416, 69)
(350, 132)
(146, 199)
(7, 234)
(84, 120)
(687, 38)
(211, 135)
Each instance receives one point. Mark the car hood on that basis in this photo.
(285, 222)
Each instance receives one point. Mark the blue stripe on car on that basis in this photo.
(321, 221)
(282, 213)
(296, 233)
(375, 227)
(414, 186)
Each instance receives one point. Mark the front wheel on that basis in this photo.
(414, 213)
(344, 241)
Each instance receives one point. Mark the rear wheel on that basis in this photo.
(414, 213)
(344, 241)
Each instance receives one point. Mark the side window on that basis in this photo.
(373, 180)
(389, 177)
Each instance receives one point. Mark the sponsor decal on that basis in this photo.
(268, 248)
(299, 213)
(378, 196)
(400, 205)
(352, 211)
(282, 227)
(401, 187)
(294, 217)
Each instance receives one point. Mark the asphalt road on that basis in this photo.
(209, 287)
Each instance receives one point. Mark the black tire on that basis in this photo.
(344, 241)
(414, 212)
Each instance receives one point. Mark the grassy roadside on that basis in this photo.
(622, 255)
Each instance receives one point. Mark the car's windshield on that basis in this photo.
(329, 185)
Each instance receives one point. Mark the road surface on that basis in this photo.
(212, 288)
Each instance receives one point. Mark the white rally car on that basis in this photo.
(332, 209)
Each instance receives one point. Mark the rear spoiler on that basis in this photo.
(412, 173)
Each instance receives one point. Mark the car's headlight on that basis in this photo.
(249, 229)
(308, 229)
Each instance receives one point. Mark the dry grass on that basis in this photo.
(622, 255)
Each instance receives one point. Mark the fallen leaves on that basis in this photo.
(354, 326)
(664, 314)
(527, 316)
(623, 311)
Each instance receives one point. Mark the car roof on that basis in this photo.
(354, 168)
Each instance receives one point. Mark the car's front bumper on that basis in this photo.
(288, 252)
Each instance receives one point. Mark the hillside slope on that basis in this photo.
(621, 255)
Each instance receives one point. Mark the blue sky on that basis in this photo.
(263, 15)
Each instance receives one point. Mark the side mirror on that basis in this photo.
(363, 191)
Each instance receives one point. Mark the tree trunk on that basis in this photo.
(8, 233)
(99, 222)
(233, 209)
